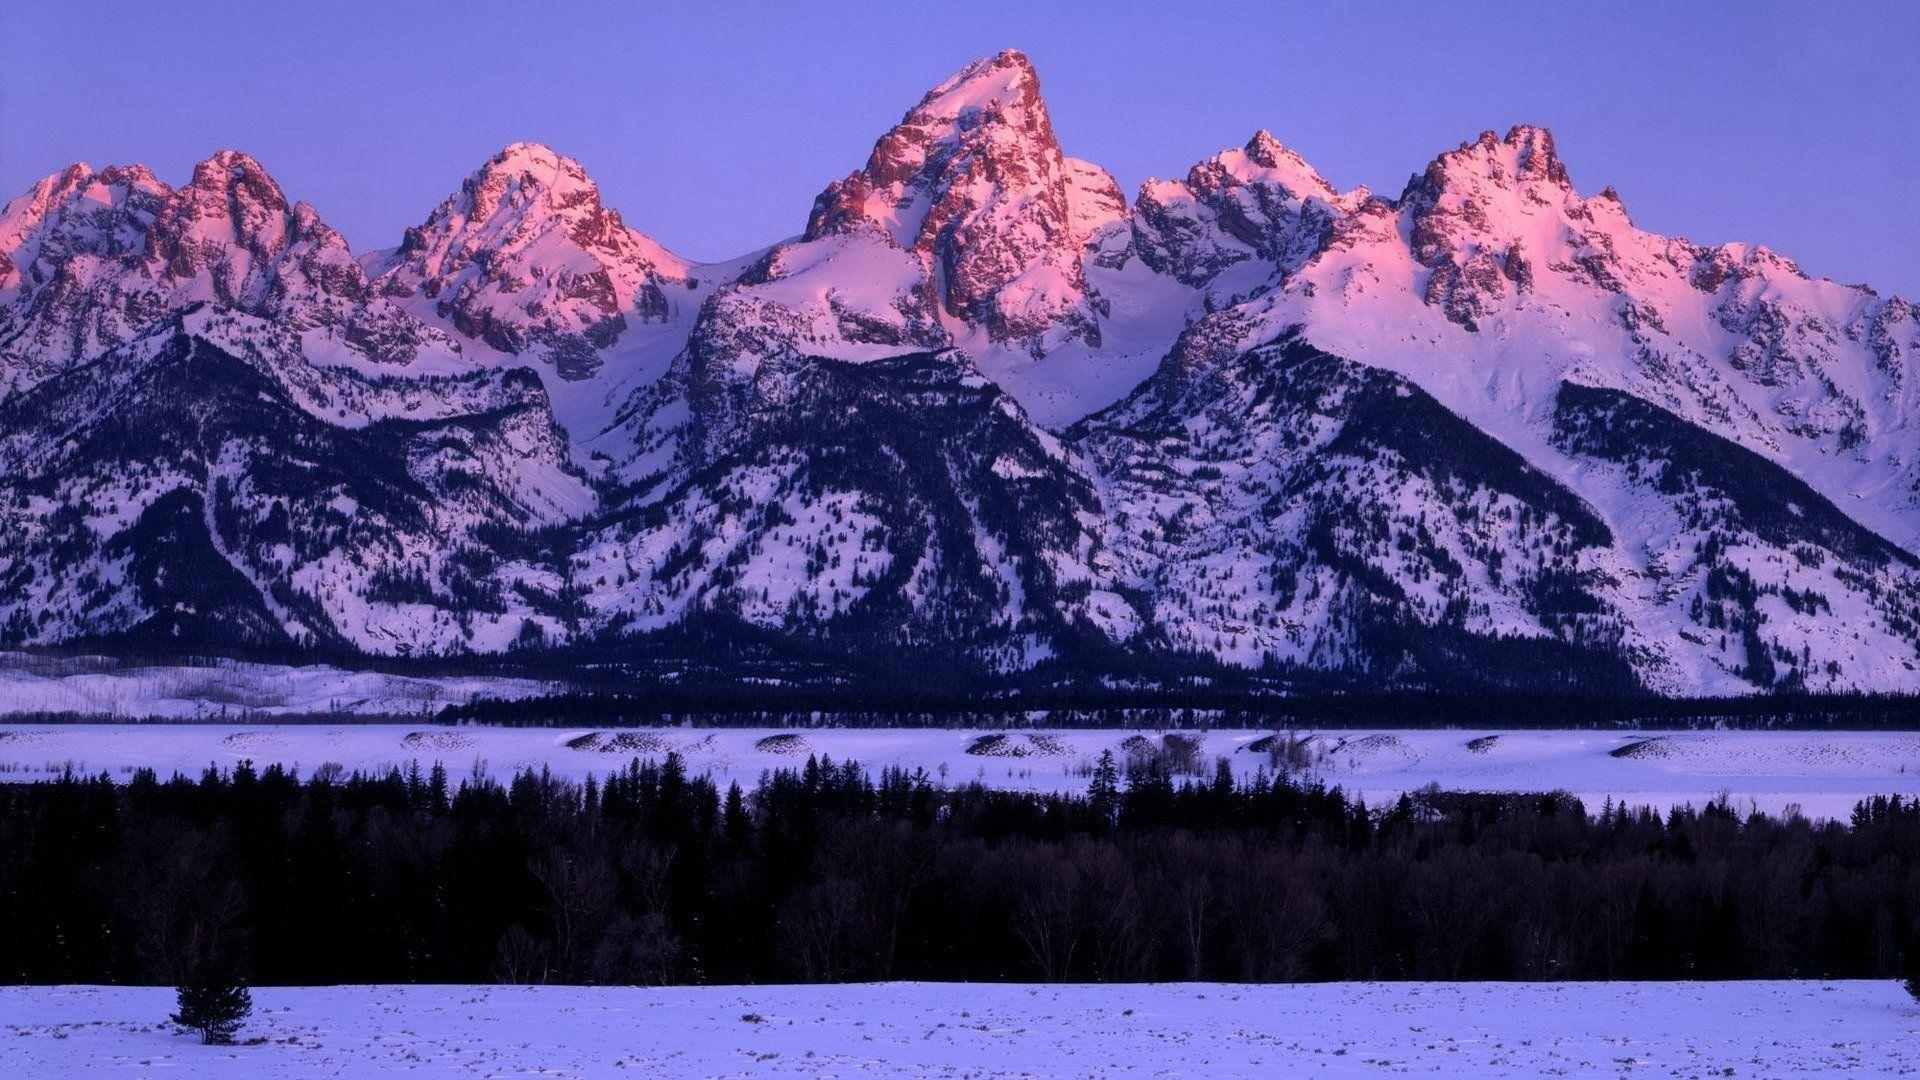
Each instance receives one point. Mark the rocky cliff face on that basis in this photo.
(983, 411)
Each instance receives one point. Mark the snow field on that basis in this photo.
(1338, 1030)
(1821, 773)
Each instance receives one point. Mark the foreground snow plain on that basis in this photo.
(1821, 773)
(1749, 1029)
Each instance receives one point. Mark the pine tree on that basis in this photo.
(1103, 794)
(736, 826)
(1910, 967)
(214, 1001)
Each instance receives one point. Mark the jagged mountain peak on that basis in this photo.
(67, 178)
(1005, 79)
(78, 181)
(1260, 206)
(89, 260)
(529, 185)
(1755, 260)
(59, 185)
(530, 152)
(236, 169)
(231, 200)
(973, 181)
(985, 123)
(1279, 163)
(56, 187)
(134, 176)
(1536, 157)
(526, 256)
(526, 176)
(1525, 155)
(1265, 148)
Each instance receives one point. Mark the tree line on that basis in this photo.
(828, 872)
(745, 705)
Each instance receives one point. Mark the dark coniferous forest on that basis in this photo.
(830, 872)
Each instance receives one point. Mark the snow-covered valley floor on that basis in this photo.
(1822, 773)
(1750, 1029)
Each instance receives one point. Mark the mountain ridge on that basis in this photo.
(982, 407)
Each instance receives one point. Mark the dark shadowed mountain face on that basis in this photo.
(196, 487)
(888, 505)
(1290, 506)
(983, 415)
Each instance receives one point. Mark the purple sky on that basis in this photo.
(712, 127)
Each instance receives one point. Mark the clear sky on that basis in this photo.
(712, 126)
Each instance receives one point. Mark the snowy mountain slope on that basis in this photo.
(1284, 506)
(982, 408)
(1495, 287)
(522, 266)
(883, 504)
(1491, 280)
(528, 266)
(821, 459)
(203, 484)
(1754, 577)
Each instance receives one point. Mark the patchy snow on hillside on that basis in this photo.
(981, 1030)
(102, 686)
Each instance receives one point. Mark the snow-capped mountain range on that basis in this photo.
(984, 411)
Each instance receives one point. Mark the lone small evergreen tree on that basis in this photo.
(1910, 967)
(214, 1001)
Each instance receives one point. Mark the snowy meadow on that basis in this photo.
(1822, 774)
(1686, 1030)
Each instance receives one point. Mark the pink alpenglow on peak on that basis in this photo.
(527, 258)
(973, 182)
(1262, 203)
(89, 260)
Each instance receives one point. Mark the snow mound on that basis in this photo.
(1638, 749)
(254, 741)
(786, 744)
(620, 742)
(1000, 744)
(437, 740)
(1372, 751)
